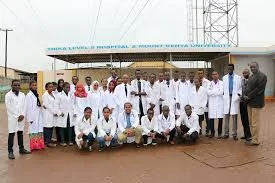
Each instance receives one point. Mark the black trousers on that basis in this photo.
(245, 120)
(212, 126)
(48, 132)
(145, 137)
(206, 121)
(193, 137)
(172, 134)
(11, 141)
(68, 131)
(89, 139)
(201, 118)
(140, 109)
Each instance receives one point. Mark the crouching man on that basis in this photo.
(188, 126)
(128, 125)
(166, 125)
(85, 130)
(149, 125)
(106, 127)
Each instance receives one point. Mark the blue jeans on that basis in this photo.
(101, 141)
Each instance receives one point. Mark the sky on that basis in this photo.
(38, 24)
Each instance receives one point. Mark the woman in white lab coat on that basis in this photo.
(49, 116)
(81, 101)
(198, 100)
(149, 124)
(215, 103)
(110, 101)
(35, 118)
(64, 108)
(95, 100)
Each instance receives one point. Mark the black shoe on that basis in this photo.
(243, 137)
(211, 136)
(24, 151)
(220, 136)
(100, 149)
(225, 137)
(11, 155)
(154, 142)
(235, 138)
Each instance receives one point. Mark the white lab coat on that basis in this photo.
(105, 127)
(236, 93)
(164, 124)
(153, 96)
(135, 99)
(72, 89)
(204, 84)
(167, 94)
(15, 107)
(215, 99)
(33, 114)
(182, 96)
(122, 121)
(109, 101)
(96, 103)
(121, 97)
(191, 122)
(160, 83)
(87, 88)
(198, 100)
(49, 119)
(64, 104)
(148, 126)
(80, 103)
(174, 84)
(84, 126)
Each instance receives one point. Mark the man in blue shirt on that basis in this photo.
(232, 94)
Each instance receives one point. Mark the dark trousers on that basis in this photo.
(11, 141)
(193, 137)
(172, 134)
(140, 109)
(212, 126)
(145, 138)
(48, 132)
(66, 131)
(206, 121)
(160, 109)
(89, 139)
(201, 118)
(245, 120)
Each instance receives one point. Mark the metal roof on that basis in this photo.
(136, 53)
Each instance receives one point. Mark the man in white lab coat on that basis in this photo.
(182, 95)
(160, 82)
(215, 101)
(232, 85)
(153, 94)
(166, 125)
(128, 125)
(198, 100)
(113, 77)
(88, 86)
(73, 85)
(149, 124)
(167, 93)
(204, 83)
(191, 77)
(85, 130)
(15, 104)
(138, 94)
(188, 126)
(107, 127)
(122, 93)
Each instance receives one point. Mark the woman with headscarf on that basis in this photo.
(34, 118)
(80, 100)
(96, 100)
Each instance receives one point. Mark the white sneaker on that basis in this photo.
(90, 148)
(154, 143)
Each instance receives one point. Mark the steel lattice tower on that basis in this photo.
(220, 22)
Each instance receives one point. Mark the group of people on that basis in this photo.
(145, 109)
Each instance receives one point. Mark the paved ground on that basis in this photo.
(208, 161)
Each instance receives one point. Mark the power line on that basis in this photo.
(125, 19)
(134, 20)
(98, 12)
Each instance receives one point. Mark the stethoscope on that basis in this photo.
(131, 115)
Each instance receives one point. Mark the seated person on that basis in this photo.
(188, 126)
(106, 127)
(128, 125)
(166, 125)
(85, 130)
(149, 126)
